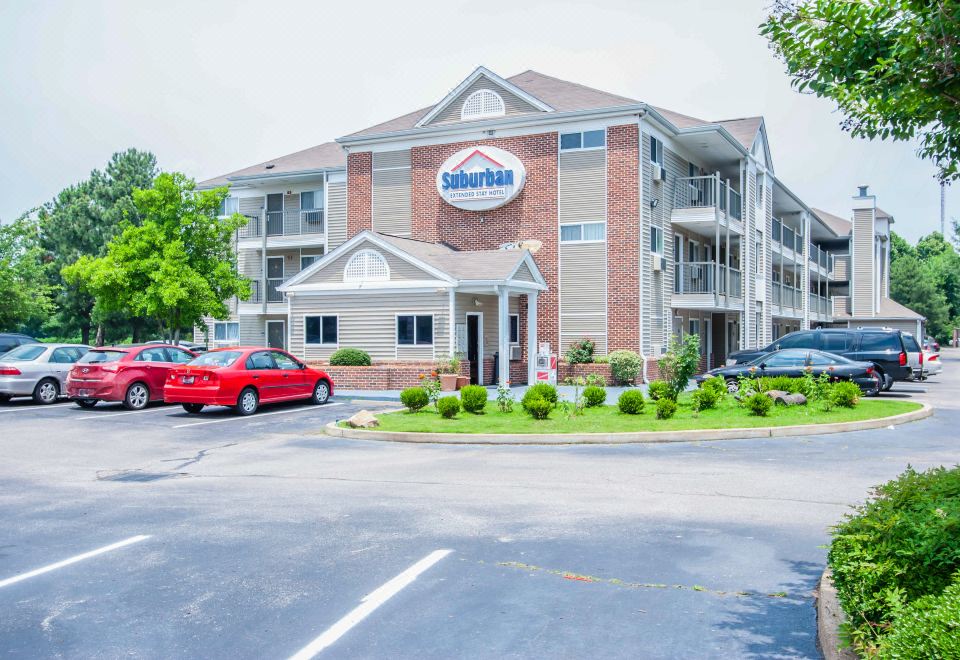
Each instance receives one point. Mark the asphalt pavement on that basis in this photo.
(159, 534)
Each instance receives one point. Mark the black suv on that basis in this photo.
(885, 348)
(10, 340)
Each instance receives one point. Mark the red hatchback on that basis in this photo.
(243, 378)
(134, 375)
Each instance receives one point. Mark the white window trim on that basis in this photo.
(581, 147)
(366, 277)
(317, 194)
(691, 323)
(659, 143)
(321, 343)
(266, 333)
(482, 115)
(653, 229)
(317, 255)
(396, 330)
(227, 339)
(516, 316)
(581, 239)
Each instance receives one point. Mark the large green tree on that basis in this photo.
(176, 266)
(80, 221)
(23, 281)
(892, 67)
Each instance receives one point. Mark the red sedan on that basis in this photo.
(134, 375)
(243, 378)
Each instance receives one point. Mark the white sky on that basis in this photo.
(214, 86)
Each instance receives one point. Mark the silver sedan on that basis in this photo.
(38, 370)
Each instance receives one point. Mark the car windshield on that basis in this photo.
(911, 344)
(782, 358)
(216, 359)
(93, 357)
(25, 353)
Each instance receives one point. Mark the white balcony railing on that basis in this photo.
(702, 191)
(284, 223)
(698, 277)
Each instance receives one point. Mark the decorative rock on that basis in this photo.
(363, 420)
(786, 399)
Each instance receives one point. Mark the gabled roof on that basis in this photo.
(839, 226)
(326, 156)
(743, 129)
(891, 309)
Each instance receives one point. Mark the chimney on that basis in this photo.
(863, 191)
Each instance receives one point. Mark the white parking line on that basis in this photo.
(240, 418)
(370, 602)
(129, 412)
(73, 560)
(33, 407)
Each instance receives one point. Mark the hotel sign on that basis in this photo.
(480, 178)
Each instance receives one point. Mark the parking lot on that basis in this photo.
(162, 534)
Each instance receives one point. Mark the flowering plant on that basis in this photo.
(504, 397)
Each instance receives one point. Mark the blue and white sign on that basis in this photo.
(481, 178)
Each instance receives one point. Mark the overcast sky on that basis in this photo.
(214, 86)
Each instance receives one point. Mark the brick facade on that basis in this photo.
(623, 238)
(400, 375)
(565, 371)
(359, 192)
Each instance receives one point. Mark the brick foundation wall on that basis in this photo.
(400, 375)
(623, 238)
(565, 371)
(359, 193)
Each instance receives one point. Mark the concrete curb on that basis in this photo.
(626, 438)
(830, 616)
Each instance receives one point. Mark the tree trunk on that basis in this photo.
(85, 334)
(99, 334)
(137, 330)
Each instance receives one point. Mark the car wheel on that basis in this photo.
(137, 397)
(887, 383)
(193, 408)
(877, 387)
(247, 402)
(321, 392)
(733, 385)
(85, 403)
(46, 391)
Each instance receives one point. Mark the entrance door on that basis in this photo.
(474, 353)
(275, 214)
(276, 334)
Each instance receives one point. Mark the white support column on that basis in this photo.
(532, 337)
(503, 337)
(451, 323)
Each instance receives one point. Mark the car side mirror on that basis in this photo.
(763, 365)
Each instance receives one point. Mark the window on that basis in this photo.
(585, 140)
(514, 328)
(311, 200)
(26, 353)
(260, 360)
(836, 342)
(415, 330)
(64, 355)
(217, 359)
(656, 151)
(366, 265)
(307, 260)
(152, 355)
(694, 327)
(692, 170)
(98, 357)
(284, 361)
(483, 103)
(226, 331)
(229, 206)
(759, 190)
(321, 330)
(798, 340)
(178, 356)
(757, 257)
(586, 231)
(818, 359)
(880, 341)
(656, 240)
(787, 359)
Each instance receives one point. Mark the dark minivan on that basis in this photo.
(884, 348)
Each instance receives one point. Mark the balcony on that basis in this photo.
(787, 300)
(291, 225)
(821, 259)
(787, 241)
(260, 289)
(700, 202)
(820, 308)
(696, 285)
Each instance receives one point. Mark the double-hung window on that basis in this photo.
(583, 232)
(229, 206)
(414, 330)
(583, 140)
(656, 240)
(229, 331)
(321, 330)
(656, 151)
(514, 328)
(307, 260)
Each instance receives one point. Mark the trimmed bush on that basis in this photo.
(660, 389)
(631, 402)
(414, 398)
(350, 357)
(543, 391)
(899, 546)
(759, 404)
(474, 398)
(580, 352)
(782, 383)
(594, 396)
(537, 408)
(710, 394)
(845, 394)
(927, 628)
(666, 408)
(625, 366)
(448, 406)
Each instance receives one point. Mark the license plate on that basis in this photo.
(188, 380)
(83, 392)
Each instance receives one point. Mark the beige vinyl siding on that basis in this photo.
(399, 269)
(582, 186)
(905, 325)
(841, 267)
(489, 306)
(336, 214)
(583, 299)
(368, 322)
(252, 207)
(861, 285)
(391, 192)
(524, 274)
(513, 104)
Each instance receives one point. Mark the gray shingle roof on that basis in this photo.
(461, 264)
(328, 155)
(836, 224)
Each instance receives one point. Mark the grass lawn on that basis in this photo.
(607, 419)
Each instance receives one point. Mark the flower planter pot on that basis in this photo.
(448, 382)
(462, 381)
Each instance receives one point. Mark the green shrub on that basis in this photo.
(710, 394)
(845, 394)
(759, 404)
(782, 383)
(680, 363)
(580, 352)
(594, 396)
(350, 357)
(900, 545)
(926, 628)
(625, 366)
(631, 402)
(537, 408)
(543, 391)
(414, 398)
(666, 408)
(660, 389)
(448, 406)
(473, 398)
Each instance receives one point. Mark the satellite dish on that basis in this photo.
(531, 245)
